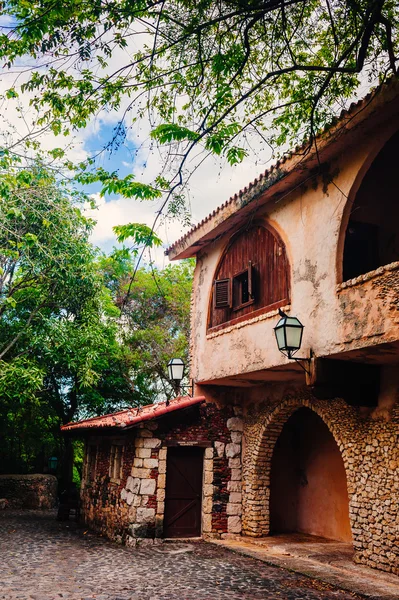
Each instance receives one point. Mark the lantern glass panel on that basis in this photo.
(176, 369)
(294, 335)
(280, 337)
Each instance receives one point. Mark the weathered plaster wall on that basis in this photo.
(132, 508)
(370, 452)
(312, 223)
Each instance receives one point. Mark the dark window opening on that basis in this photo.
(361, 249)
(372, 235)
(242, 289)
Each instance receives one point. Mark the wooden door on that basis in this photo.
(183, 492)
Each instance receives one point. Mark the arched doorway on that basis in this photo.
(308, 490)
(372, 234)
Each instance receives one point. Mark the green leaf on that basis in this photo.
(140, 234)
(169, 132)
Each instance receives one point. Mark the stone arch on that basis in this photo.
(259, 453)
(377, 148)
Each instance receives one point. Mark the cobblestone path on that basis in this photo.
(41, 559)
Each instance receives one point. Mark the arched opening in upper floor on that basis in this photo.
(372, 234)
(252, 276)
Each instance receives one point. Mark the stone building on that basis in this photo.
(316, 236)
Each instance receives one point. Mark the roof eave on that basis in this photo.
(290, 171)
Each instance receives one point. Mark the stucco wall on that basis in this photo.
(311, 221)
(370, 453)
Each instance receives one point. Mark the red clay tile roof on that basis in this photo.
(132, 416)
(273, 171)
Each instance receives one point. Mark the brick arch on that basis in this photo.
(256, 475)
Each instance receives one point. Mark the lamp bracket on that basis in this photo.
(189, 387)
(300, 362)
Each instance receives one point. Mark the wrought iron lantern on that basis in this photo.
(52, 463)
(288, 332)
(176, 368)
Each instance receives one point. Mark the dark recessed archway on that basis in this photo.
(308, 489)
(372, 234)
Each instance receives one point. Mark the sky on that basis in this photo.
(211, 185)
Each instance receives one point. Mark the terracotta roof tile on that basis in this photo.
(132, 416)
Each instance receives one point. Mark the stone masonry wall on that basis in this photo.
(370, 452)
(29, 491)
(132, 509)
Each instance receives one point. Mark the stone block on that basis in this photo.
(162, 453)
(138, 530)
(233, 450)
(162, 466)
(145, 515)
(147, 487)
(151, 442)
(137, 462)
(160, 495)
(234, 524)
(236, 474)
(233, 509)
(208, 465)
(160, 508)
(207, 502)
(141, 473)
(123, 494)
(129, 498)
(235, 463)
(208, 477)
(235, 497)
(137, 500)
(132, 484)
(150, 463)
(234, 486)
(208, 452)
(236, 437)
(161, 481)
(235, 424)
(219, 447)
(139, 442)
(208, 489)
(207, 523)
(143, 453)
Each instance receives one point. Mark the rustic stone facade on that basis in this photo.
(131, 507)
(370, 451)
(29, 491)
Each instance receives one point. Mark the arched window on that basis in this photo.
(372, 235)
(252, 277)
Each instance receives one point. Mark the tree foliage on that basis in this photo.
(65, 351)
(155, 323)
(60, 356)
(208, 74)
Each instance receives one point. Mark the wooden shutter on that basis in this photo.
(222, 293)
(250, 281)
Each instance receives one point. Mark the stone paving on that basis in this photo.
(42, 559)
